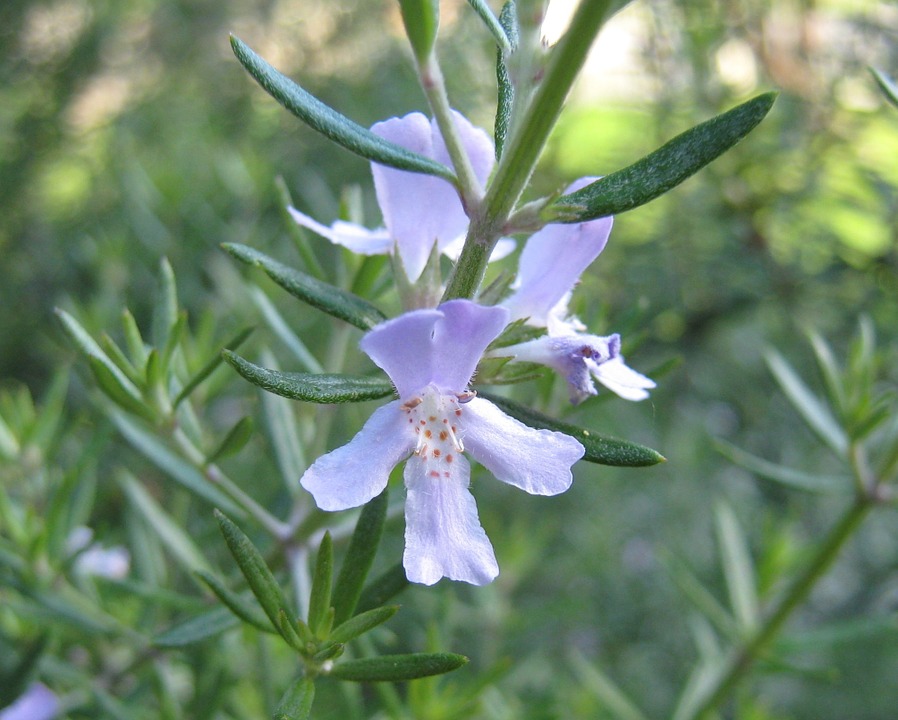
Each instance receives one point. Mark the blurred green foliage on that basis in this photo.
(128, 132)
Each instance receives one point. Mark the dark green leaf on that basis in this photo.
(322, 584)
(330, 123)
(257, 574)
(599, 448)
(311, 387)
(662, 169)
(325, 297)
(196, 629)
(505, 100)
(234, 441)
(210, 366)
(328, 651)
(362, 549)
(383, 588)
(117, 356)
(297, 701)
(887, 85)
(396, 668)
(244, 609)
(422, 21)
(362, 623)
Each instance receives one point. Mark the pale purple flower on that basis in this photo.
(431, 355)
(418, 210)
(93, 559)
(550, 266)
(38, 702)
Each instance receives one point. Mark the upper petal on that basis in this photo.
(443, 535)
(419, 210)
(359, 239)
(355, 473)
(551, 263)
(538, 461)
(434, 347)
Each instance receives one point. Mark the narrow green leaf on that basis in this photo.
(297, 233)
(173, 537)
(329, 651)
(117, 355)
(257, 574)
(317, 388)
(738, 568)
(795, 479)
(814, 412)
(322, 585)
(297, 701)
(325, 297)
(705, 602)
(599, 448)
(359, 557)
(177, 469)
(421, 19)
(505, 101)
(829, 368)
(134, 340)
(110, 383)
(332, 124)
(362, 623)
(244, 609)
(887, 85)
(497, 28)
(662, 169)
(165, 315)
(383, 588)
(604, 689)
(175, 335)
(207, 369)
(196, 629)
(396, 668)
(282, 330)
(234, 441)
(283, 433)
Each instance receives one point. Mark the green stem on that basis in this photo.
(742, 657)
(435, 89)
(524, 148)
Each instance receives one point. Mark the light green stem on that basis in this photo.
(744, 655)
(524, 148)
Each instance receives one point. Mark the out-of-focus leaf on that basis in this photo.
(605, 690)
(242, 608)
(317, 388)
(178, 542)
(362, 623)
(196, 629)
(814, 412)
(177, 469)
(207, 369)
(322, 585)
(279, 326)
(134, 340)
(330, 123)
(327, 298)
(887, 85)
(234, 441)
(359, 557)
(396, 668)
(599, 448)
(663, 169)
(280, 420)
(297, 701)
(165, 315)
(796, 479)
(111, 384)
(738, 568)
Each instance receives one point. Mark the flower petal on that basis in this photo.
(38, 702)
(460, 339)
(359, 239)
(418, 210)
(353, 474)
(477, 144)
(551, 263)
(537, 461)
(622, 380)
(443, 535)
(440, 347)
